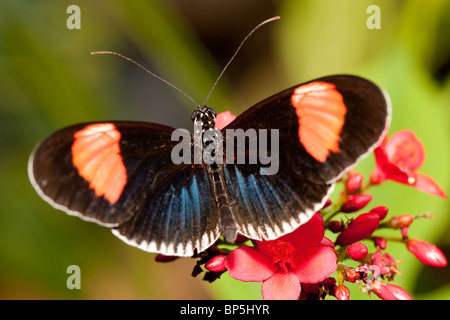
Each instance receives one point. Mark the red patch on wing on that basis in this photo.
(96, 155)
(321, 113)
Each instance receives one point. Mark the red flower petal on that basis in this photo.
(307, 235)
(377, 176)
(315, 264)
(386, 170)
(405, 150)
(223, 119)
(326, 242)
(248, 264)
(281, 286)
(426, 184)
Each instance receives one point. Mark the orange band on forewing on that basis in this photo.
(96, 155)
(321, 113)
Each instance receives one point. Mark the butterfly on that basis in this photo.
(163, 195)
(121, 175)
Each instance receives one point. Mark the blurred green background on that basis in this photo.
(48, 80)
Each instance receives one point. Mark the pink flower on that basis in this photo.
(283, 264)
(223, 119)
(427, 252)
(398, 158)
(387, 266)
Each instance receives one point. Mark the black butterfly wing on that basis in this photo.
(364, 122)
(179, 218)
(325, 126)
(121, 175)
(269, 206)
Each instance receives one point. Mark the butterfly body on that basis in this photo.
(122, 175)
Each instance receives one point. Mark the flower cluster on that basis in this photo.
(306, 264)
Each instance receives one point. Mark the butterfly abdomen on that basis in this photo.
(227, 222)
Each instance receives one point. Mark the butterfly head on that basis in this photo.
(204, 116)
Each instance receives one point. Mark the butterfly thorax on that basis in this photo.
(207, 136)
(204, 117)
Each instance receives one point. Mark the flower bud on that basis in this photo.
(350, 274)
(336, 226)
(381, 210)
(403, 220)
(360, 228)
(404, 232)
(223, 119)
(354, 182)
(427, 252)
(341, 292)
(377, 176)
(380, 242)
(356, 202)
(327, 203)
(388, 291)
(217, 263)
(357, 251)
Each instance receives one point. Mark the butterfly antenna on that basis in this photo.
(237, 50)
(146, 70)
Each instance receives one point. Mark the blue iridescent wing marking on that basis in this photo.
(179, 217)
